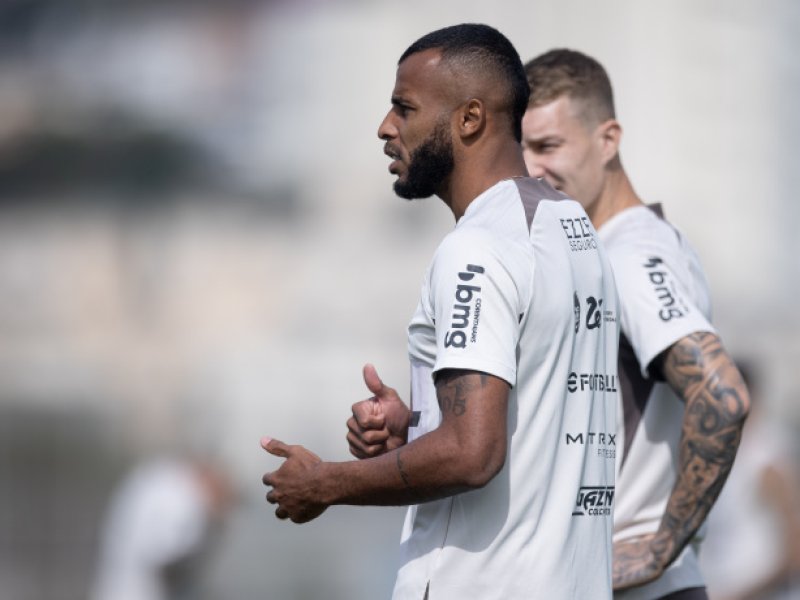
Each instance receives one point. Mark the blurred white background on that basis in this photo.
(199, 244)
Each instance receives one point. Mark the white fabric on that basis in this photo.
(663, 298)
(516, 317)
(157, 518)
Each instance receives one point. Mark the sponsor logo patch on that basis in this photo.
(594, 501)
(600, 382)
(672, 304)
(466, 309)
(576, 308)
(580, 234)
(595, 315)
(604, 443)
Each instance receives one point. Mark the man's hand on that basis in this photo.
(379, 424)
(295, 486)
(637, 561)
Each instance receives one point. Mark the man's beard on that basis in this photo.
(430, 165)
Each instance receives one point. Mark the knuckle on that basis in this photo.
(375, 437)
(374, 450)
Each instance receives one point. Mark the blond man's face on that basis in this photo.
(559, 146)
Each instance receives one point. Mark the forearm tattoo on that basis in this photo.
(453, 388)
(403, 474)
(704, 376)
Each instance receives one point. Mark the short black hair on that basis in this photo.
(486, 50)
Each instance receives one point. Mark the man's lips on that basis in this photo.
(392, 153)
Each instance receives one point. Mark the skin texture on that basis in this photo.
(581, 157)
(560, 147)
(428, 92)
(463, 453)
(578, 157)
(431, 164)
(457, 110)
(379, 423)
(701, 372)
(417, 121)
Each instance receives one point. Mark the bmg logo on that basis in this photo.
(466, 298)
(672, 305)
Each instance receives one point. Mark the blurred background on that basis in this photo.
(199, 246)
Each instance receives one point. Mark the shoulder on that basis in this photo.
(639, 228)
(493, 222)
(483, 247)
(464, 239)
(638, 237)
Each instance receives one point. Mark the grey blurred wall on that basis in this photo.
(199, 244)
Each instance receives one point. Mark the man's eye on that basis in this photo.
(542, 147)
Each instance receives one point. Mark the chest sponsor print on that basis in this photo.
(580, 234)
(604, 444)
(591, 382)
(594, 501)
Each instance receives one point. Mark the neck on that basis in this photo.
(479, 171)
(617, 195)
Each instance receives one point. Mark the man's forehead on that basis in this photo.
(423, 61)
(420, 74)
(550, 118)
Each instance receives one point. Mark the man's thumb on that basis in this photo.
(275, 447)
(374, 383)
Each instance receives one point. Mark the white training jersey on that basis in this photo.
(663, 297)
(522, 290)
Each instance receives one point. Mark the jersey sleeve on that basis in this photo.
(476, 300)
(656, 306)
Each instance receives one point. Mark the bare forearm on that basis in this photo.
(717, 403)
(703, 375)
(463, 453)
(423, 470)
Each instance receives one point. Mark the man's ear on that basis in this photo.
(609, 135)
(471, 118)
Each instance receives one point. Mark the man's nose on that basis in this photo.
(535, 167)
(387, 130)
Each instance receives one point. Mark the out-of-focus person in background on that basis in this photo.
(518, 298)
(683, 400)
(752, 545)
(161, 524)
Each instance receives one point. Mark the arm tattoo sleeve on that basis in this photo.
(704, 376)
